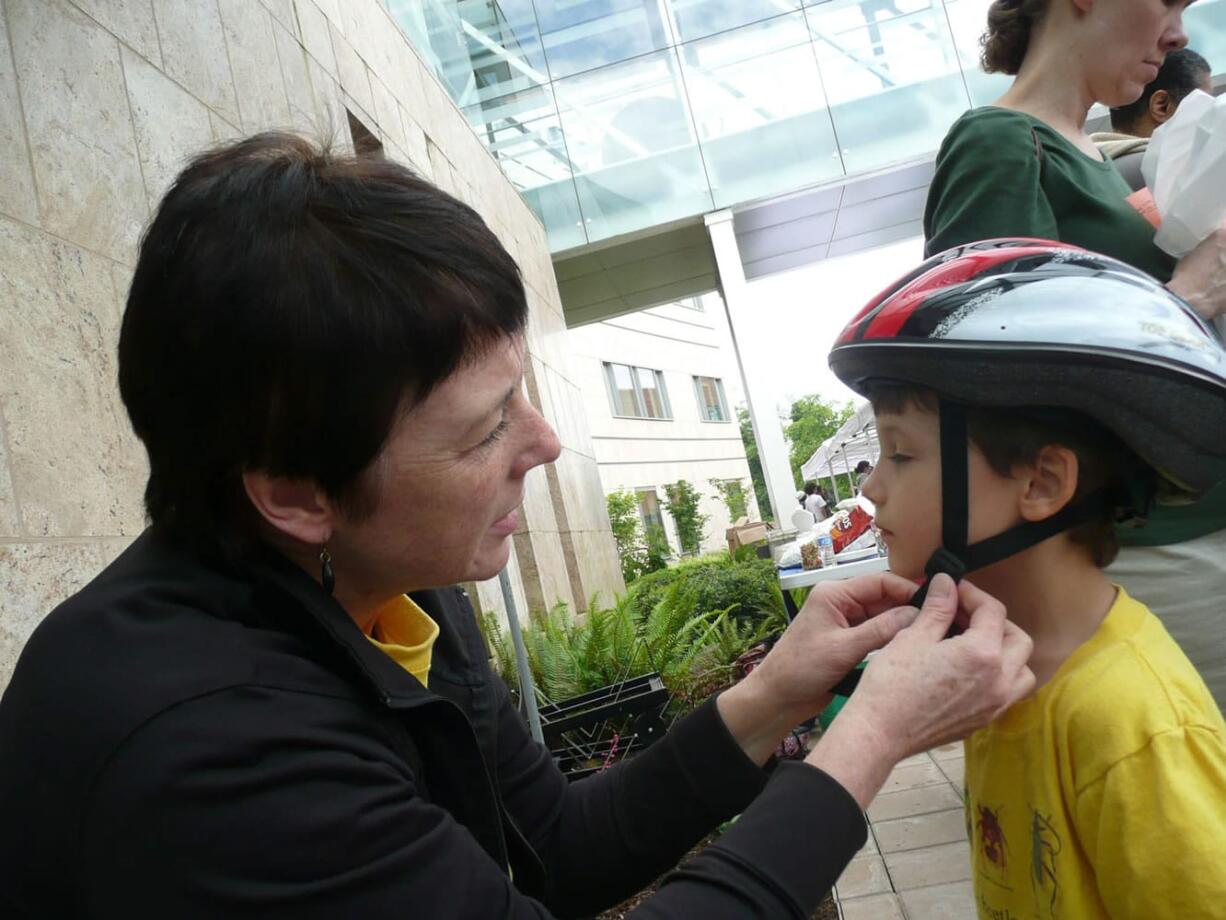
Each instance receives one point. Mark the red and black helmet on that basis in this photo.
(1033, 323)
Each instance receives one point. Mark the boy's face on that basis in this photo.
(906, 488)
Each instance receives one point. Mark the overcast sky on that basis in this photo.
(805, 310)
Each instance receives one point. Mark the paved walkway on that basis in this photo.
(916, 864)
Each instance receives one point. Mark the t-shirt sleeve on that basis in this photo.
(987, 184)
(1154, 824)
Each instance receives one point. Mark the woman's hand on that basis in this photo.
(923, 690)
(839, 624)
(1200, 276)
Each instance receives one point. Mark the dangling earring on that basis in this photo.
(326, 576)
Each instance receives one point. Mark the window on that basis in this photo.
(692, 303)
(649, 509)
(637, 392)
(712, 406)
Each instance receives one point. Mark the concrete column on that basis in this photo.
(751, 342)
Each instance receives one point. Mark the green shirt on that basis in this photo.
(1004, 173)
(1001, 173)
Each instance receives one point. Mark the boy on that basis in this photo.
(1026, 396)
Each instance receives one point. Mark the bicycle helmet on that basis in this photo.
(1034, 323)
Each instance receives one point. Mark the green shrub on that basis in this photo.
(748, 586)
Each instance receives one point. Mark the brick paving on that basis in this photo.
(916, 864)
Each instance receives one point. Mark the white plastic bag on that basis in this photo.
(1185, 170)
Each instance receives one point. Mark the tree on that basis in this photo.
(813, 420)
(681, 499)
(624, 521)
(732, 491)
(755, 463)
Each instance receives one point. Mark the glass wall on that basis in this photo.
(615, 115)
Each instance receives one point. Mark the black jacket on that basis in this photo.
(181, 739)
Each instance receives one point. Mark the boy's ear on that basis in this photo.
(297, 508)
(1051, 482)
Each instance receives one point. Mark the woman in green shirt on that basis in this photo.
(1025, 166)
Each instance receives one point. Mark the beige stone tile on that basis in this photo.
(386, 112)
(440, 168)
(947, 862)
(262, 103)
(131, 21)
(351, 71)
(283, 12)
(17, 196)
(598, 564)
(913, 776)
(955, 901)
(955, 770)
(948, 751)
(75, 466)
(195, 54)
(869, 848)
(316, 37)
(80, 131)
(222, 130)
(330, 118)
(913, 802)
(536, 511)
(921, 830)
(10, 525)
(293, 58)
(551, 572)
(873, 907)
(34, 578)
(864, 875)
(922, 757)
(171, 124)
(415, 144)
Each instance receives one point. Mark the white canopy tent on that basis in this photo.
(855, 440)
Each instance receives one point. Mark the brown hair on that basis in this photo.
(1007, 37)
(1012, 437)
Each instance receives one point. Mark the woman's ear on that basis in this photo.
(1050, 483)
(296, 508)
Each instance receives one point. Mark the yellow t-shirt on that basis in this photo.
(406, 633)
(1104, 794)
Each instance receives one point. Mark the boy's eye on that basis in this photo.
(898, 458)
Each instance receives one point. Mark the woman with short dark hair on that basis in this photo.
(276, 703)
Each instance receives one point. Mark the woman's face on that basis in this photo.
(1127, 43)
(448, 483)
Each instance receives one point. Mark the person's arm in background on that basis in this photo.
(1200, 276)
(987, 184)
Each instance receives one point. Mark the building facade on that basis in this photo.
(661, 388)
(100, 104)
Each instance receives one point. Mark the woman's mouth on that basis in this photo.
(505, 526)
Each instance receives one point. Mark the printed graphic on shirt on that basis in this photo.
(1045, 846)
(991, 838)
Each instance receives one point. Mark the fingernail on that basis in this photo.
(942, 585)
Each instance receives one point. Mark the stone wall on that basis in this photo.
(101, 101)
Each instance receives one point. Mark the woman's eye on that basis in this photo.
(497, 433)
(898, 458)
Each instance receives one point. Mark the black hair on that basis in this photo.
(1181, 72)
(1012, 437)
(810, 487)
(862, 466)
(288, 304)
